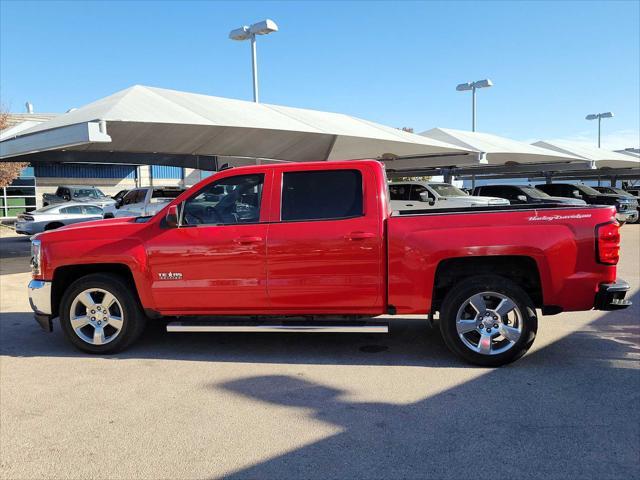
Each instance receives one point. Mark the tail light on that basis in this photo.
(608, 243)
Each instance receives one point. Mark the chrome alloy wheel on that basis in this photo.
(489, 323)
(96, 316)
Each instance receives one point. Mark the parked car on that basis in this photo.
(56, 216)
(69, 193)
(520, 194)
(425, 195)
(634, 194)
(142, 202)
(626, 208)
(318, 240)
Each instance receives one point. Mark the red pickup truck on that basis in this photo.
(316, 247)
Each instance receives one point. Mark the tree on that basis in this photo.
(9, 171)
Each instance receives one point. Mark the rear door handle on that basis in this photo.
(248, 240)
(360, 235)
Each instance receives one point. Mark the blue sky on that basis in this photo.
(396, 63)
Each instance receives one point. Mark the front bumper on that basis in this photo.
(40, 301)
(610, 296)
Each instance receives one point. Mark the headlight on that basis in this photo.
(36, 257)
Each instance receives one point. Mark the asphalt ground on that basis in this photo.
(295, 406)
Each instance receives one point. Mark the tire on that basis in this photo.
(460, 319)
(125, 323)
(53, 226)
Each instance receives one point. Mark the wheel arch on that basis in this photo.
(521, 269)
(65, 275)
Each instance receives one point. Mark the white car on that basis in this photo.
(425, 195)
(142, 202)
(56, 216)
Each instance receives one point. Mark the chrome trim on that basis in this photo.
(40, 296)
(275, 328)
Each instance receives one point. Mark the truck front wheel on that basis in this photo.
(99, 314)
(488, 320)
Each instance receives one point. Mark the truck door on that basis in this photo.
(325, 246)
(215, 262)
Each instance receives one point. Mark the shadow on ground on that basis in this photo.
(569, 410)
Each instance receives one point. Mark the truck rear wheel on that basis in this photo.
(488, 320)
(99, 314)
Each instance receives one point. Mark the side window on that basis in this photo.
(229, 201)
(91, 210)
(321, 195)
(73, 210)
(140, 196)
(64, 193)
(399, 191)
(129, 197)
(416, 190)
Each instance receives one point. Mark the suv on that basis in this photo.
(520, 194)
(422, 195)
(626, 208)
(142, 202)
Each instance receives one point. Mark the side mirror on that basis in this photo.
(119, 202)
(172, 216)
(576, 194)
(522, 198)
(424, 197)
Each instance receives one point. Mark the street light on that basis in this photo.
(599, 117)
(463, 87)
(249, 33)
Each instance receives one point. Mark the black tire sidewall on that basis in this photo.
(116, 285)
(467, 288)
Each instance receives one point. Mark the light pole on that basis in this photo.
(463, 87)
(249, 33)
(599, 116)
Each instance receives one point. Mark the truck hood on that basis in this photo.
(117, 228)
(563, 200)
(479, 200)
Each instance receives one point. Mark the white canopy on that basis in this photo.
(600, 157)
(499, 150)
(154, 120)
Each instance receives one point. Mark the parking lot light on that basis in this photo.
(473, 86)
(599, 117)
(245, 32)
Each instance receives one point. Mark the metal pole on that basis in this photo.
(473, 109)
(254, 63)
(599, 120)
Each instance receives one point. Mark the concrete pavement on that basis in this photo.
(286, 406)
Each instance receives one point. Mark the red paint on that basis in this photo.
(351, 266)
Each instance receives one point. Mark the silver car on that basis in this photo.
(56, 216)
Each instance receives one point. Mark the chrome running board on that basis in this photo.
(277, 327)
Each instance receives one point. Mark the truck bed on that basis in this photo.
(560, 240)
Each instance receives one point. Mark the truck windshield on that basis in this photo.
(588, 190)
(446, 190)
(534, 192)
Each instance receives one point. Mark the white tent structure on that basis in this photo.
(147, 120)
(496, 150)
(598, 157)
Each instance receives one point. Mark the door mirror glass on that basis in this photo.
(172, 216)
(522, 198)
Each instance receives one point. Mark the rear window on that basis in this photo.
(321, 195)
(166, 193)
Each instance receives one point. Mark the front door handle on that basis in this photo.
(248, 240)
(360, 235)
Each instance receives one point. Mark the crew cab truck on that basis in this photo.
(319, 241)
